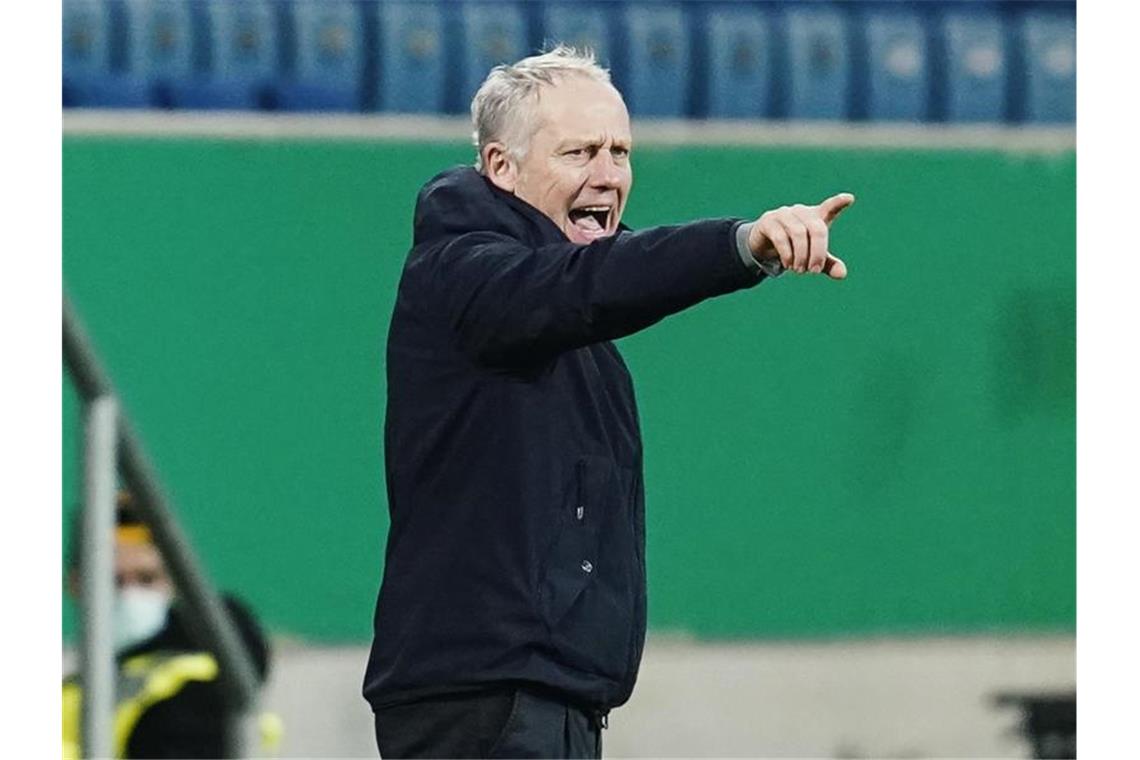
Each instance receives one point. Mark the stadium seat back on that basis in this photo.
(93, 66)
(817, 64)
(161, 40)
(739, 45)
(243, 56)
(86, 39)
(491, 33)
(328, 62)
(244, 40)
(412, 67)
(975, 66)
(657, 65)
(580, 25)
(898, 84)
(1049, 49)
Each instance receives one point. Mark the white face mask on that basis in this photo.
(139, 614)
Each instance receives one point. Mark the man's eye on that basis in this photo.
(621, 152)
(576, 152)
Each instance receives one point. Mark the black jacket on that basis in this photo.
(516, 550)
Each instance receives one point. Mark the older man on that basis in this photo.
(511, 616)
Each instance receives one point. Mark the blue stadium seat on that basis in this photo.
(161, 41)
(739, 44)
(581, 25)
(86, 39)
(656, 77)
(1049, 46)
(491, 33)
(90, 74)
(412, 67)
(818, 63)
(898, 83)
(975, 66)
(243, 57)
(328, 65)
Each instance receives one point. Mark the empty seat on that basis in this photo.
(328, 63)
(817, 63)
(86, 39)
(491, 33)
(739, 44)
(161, 44)
(412, 67)
(974, 65)
(898, 83)
(91, 74)
(1049, 47)
(657, 66)
(580, 25)
(243, 57)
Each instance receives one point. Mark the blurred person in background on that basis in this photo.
(168, 699)
(511, 616)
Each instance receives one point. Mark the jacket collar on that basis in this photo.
(461, 200)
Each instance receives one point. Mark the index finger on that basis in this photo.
(831, 207)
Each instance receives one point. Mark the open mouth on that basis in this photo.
(591, 221)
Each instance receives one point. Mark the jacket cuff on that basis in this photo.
(769, 267)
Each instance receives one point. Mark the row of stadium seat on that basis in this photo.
(969, 62)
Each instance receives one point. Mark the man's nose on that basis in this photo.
(604, 171)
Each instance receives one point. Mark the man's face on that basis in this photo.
(577, 169)
(139, 565)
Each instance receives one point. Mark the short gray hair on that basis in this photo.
(503, 108)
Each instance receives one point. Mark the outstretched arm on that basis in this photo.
(507, 302)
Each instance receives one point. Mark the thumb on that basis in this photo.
(835, 268)
(831, 207)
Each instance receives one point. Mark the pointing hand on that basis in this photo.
(798, 236)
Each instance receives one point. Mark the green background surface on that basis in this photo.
(893, 454)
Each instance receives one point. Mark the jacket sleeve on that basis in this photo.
(510, 304)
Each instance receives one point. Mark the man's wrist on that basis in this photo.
(771, 267)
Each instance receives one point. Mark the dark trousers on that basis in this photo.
(498, 723)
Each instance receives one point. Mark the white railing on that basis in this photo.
(111, 448)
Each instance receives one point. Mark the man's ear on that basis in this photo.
(499, 166)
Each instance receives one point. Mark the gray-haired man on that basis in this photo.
(511, 617)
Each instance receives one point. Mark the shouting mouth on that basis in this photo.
(590, 222)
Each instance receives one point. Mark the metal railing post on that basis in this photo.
(211, 625)
(97, 576)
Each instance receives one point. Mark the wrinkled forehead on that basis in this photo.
(577, 107)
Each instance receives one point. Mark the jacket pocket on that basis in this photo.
(569, 566)
(588, 591)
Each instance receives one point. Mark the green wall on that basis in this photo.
(890, 454)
